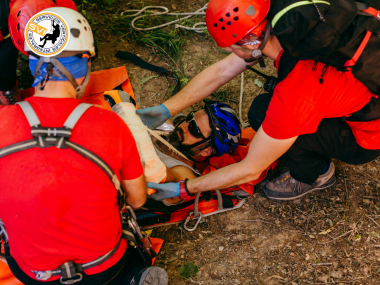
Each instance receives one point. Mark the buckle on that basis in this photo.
(71, 281)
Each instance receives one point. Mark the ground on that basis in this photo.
(327, 237)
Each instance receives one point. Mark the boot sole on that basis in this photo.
(327, 185)
(154, 276)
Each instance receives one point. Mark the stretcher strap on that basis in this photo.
(143, 64)
(359, 51)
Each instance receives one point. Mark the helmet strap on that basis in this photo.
(79, 89)
(258, 53)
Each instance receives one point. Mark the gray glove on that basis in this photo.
(154, 117)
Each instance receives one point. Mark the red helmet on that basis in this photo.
(228, 21)
(21, 12)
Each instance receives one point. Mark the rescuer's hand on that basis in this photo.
(164, 191)
(154, 117)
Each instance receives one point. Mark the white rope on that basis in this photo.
(243, 124)
(166, 12)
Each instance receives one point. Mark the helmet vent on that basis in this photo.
(18, 27)
(236, 9)
(85, 28)
(236, 18)
(250, 10)
(79, 21)
(18, 14)
(75, 32)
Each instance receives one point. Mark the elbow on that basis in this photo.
(137, 202)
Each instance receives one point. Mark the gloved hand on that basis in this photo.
(164, 191)
(154, 117)
(169, 190)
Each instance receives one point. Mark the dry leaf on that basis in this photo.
(326, 231)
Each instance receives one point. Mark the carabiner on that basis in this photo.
(188, 219)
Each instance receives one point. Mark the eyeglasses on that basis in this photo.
(193, 126)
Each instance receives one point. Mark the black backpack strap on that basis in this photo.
(286, 65)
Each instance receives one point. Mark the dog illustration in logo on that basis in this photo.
(53, 36)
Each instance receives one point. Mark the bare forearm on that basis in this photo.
(263, 150)
(136, 191)
(205, 83)
(231, 175)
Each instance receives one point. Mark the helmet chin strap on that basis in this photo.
(257, 54)
(79, 89)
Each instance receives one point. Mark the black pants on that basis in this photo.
(310, 153)
(8, 65)
(129, 267)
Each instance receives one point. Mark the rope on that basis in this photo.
(166, 12)
(243, 124)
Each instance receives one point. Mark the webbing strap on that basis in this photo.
(16, 147)
(359, 51)
(294, 5)
(76, 115)
(70, 269)
(29, 113)
(373, 12)
(99, 162)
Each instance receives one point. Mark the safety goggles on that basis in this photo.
(193, 126)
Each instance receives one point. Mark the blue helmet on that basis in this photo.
(225, 125)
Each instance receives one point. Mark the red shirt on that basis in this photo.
(58, 206)
(300, 102)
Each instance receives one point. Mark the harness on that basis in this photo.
(44, 137)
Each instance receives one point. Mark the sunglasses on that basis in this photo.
(193, 126)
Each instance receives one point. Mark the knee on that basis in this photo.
(258, 109)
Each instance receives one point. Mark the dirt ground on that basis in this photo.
(327, 237)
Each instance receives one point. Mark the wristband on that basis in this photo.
(183, 191)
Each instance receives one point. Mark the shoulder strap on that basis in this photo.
(29, 113)
(75, 115)
(286, 65)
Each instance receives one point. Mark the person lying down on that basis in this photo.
(212, 131)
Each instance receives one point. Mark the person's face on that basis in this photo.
(186, 134)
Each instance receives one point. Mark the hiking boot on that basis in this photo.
(153, 276)
(285, 187)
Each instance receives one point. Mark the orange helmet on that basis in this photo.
(21, 12)
(229, 21)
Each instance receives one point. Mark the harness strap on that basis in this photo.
(351, 62)
(16, 147)
(76, 115)
(365, 9)
(99, 162)
(70, 269)
(29, 113)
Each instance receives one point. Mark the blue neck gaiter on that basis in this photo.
(76, 66)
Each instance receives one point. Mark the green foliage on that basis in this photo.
(188, 270)
(146, 79)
